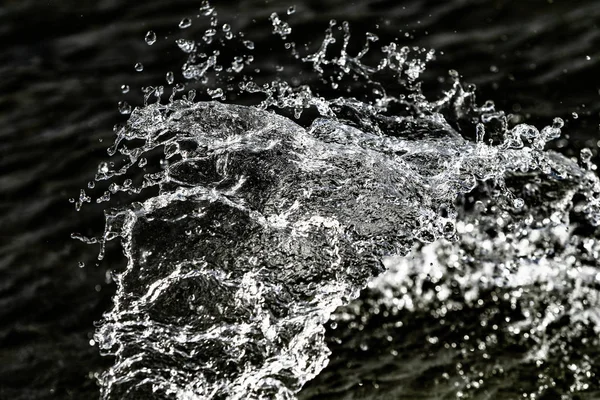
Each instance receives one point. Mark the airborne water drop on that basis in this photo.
(150, 38)
(185, 23)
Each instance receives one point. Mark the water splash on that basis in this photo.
(263, 227)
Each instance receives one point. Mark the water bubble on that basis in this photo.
(124, 88)
(139, 67)
(226, 27)
(291, 10)
(81, 264)
(249, 44)
(170, 77)
(575, 115)
(185, 23)
(150, 38)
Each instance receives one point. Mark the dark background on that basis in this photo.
(61, 67)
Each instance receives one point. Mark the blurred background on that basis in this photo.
(62, 66)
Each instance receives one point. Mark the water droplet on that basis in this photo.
(249, 44)
(291, 10)
(588, 58)
(150, 38)
(586, 155)
(170, 77)
(81, 264)
(280, 27)
(575, 115)
(103, 168)
(139, 67)
(124, 88)
(518, 203)
(216, 93)
(186, 45)
(558, 123)
(185, 23)
(124, 107)
(226, 27)
(206, 9)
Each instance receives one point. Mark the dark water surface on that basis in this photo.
(62, 66)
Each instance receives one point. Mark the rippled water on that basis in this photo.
(465, 318)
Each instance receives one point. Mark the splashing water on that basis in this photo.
(262, 227)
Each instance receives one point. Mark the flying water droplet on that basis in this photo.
(206, 9)
(280, 27)
(139, 67)
(185, 23)
(586, 158)
(249, 44)
(215, 93)
(186, 45)
(518, 203)
(150, 38)
(291, 10)
(124, 88)
(124, 107)
(170, 77)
